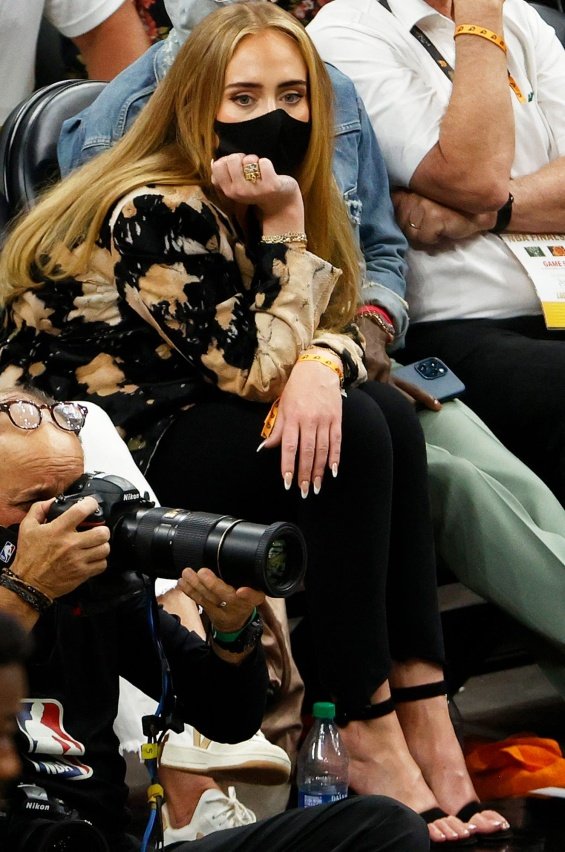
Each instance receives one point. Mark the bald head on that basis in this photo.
(36, 464)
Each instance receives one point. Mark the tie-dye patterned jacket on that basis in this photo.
(173, 305)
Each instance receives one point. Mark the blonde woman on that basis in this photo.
(199, 279)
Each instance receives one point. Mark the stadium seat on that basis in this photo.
(28, 139)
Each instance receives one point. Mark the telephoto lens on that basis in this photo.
(164, 541)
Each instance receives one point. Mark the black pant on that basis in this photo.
(360, 824)
(370, 584)
(514, 372)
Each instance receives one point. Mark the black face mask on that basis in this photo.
(276, 135)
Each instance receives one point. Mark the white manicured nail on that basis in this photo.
(287, 481)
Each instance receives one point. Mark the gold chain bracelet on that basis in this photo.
(289, 237)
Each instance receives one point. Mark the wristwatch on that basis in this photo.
(503, 216)
(241, 640)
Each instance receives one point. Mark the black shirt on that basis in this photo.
(68, 743)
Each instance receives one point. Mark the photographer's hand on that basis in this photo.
(54, 557)
(227, 608)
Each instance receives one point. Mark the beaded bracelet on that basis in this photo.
(289, 237)
(29, 594)
(376, 317)
(327, 362)
(475, 29)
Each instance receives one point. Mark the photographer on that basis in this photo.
(83, 641)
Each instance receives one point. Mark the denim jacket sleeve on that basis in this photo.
(105, 121)
(361, 174)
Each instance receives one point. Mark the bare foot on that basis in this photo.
(435, 748)
(380, 763)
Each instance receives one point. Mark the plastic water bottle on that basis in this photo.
(323, 763)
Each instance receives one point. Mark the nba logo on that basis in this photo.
(7, 552)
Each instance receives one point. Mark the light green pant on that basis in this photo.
(498, 527)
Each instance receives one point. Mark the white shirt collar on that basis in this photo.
(413, 12)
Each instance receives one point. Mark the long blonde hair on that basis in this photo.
(173, 142)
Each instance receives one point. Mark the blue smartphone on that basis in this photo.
(433, 376)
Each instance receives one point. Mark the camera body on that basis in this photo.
(161, 542)
(34, 821)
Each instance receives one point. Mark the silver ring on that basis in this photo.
(223, 604)
(412, 225)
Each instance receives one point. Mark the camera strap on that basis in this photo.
(155, 728)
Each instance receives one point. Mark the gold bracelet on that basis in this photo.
(379, 321)
(475, 29)
(290, 237)
(327, 362)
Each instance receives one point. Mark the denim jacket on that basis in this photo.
(358, 167)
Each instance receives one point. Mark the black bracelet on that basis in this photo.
(30, 595)
(503, 216)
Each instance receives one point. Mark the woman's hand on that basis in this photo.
(309, 424)
(278, 197)
(227, 608)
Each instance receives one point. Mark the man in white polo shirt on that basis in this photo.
(472, 128)
(109, 34)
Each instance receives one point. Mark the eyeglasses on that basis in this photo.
(24, 414)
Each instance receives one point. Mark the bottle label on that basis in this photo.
(310, 800)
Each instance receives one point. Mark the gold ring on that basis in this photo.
(252, 172)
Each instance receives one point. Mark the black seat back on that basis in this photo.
(28, 140)
(554, 18)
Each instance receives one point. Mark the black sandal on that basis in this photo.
(344, 715)
(465, 814)
(401, 694)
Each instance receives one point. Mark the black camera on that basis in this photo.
(38, 822)
(161, 542)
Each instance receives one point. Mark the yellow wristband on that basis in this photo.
(327, 362)
(475, 29)
(270, 419)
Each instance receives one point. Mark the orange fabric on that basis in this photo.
(514, 766)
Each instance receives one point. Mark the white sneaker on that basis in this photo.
(214, 812)
(255, 761)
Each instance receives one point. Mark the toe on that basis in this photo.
(489, 822)
(448, 828)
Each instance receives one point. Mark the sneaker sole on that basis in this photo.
(260, 769)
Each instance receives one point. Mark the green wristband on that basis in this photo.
(231, 637)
